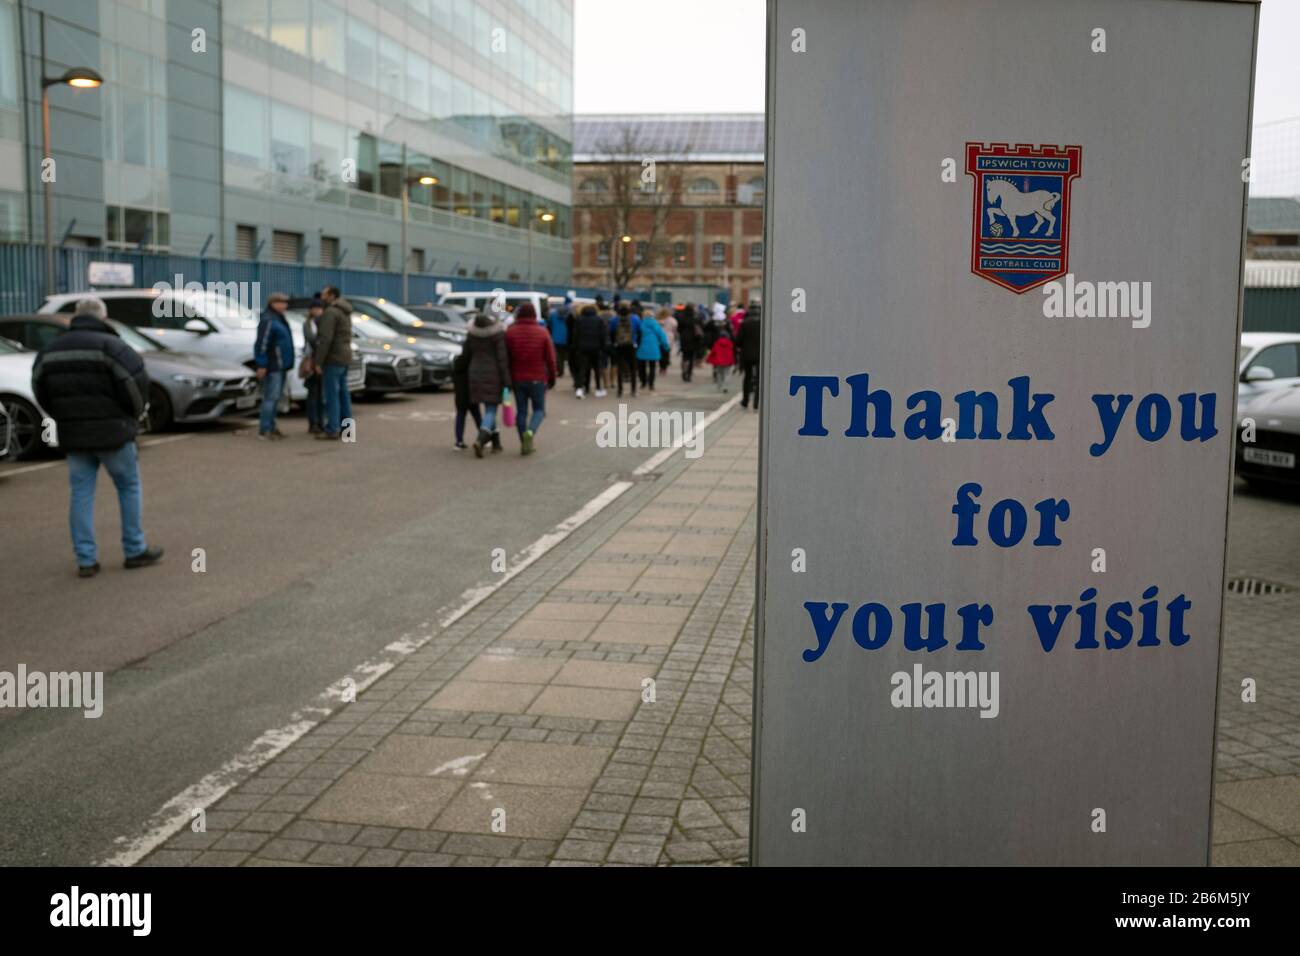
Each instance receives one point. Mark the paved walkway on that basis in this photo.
(594, 709)
(1257, 791)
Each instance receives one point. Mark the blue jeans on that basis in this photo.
(272, 385)
(526, 393)
(83, 470)
(338, 400)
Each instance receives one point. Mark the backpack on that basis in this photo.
(623, 331)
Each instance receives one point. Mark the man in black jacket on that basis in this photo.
(95, 388)
(590, 340)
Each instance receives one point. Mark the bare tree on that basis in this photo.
(636, 202)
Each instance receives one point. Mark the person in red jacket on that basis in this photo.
(532, 370)
(722, 356)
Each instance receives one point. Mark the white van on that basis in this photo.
(497, 302)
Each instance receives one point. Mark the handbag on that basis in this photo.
(507, 408)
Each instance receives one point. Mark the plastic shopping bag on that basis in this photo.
(507, 408)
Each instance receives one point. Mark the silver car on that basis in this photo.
(184, 387)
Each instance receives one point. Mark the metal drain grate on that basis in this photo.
(1256, 587)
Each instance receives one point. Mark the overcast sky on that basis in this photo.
(706, 56)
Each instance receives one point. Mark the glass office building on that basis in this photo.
(283, 130)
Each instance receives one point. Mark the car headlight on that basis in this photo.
(382, 358)
(436, 358)
(195, 382)
(452, 337)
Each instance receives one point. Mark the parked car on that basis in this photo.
(184, 387)
(502, 305)
(20, 415)
(1268, 361)
(436, 354)
(448, 321)
(389, 367)
(1271, 458)
(207, 323)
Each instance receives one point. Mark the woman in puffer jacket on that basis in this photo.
(654, 346)
(489, 373)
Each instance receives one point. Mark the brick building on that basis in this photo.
(687, 193)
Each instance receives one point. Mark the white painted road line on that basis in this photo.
(179, 810)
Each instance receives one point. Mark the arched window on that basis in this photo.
(703, 185)
(596, 185)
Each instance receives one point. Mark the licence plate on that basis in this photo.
(1263, 456)
(246, 401)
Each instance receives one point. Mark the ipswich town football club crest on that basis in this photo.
(1020, 229)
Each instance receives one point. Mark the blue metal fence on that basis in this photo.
(22, 276)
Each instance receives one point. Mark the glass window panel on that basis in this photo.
(133, 69)
(245, 128)
(289, 25)
(440, 92)
(139, 225)
(417, 82)
(328, 142)
(391, 67)
(290, 140)
(247, 15)
(390, 169)
(365, 153)
(8, 56)
(327, 41)
(361, 52)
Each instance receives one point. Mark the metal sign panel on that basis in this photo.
(110, 273)
(997, 445)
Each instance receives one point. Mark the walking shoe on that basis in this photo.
(526, 443)
(277, 434)
(327, 436)
(601, 393)
(460, 446)
(482, 438)
(496, 442)
(263, 436)
(578, 394)
(145, 558)
(87, 570)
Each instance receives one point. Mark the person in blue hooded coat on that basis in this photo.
(652, 347)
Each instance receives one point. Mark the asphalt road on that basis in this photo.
(318, 555)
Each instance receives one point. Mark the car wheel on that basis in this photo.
(20, 428)
(160, 410)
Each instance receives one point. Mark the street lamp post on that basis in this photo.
(424, 179)
(544, 216)
(626, 240)
(79, 78)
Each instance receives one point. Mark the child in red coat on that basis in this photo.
(722, 357)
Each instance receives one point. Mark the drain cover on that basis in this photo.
(1256, 587)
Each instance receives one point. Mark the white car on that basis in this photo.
(20, 416)
(204, 322)
(497, 303)
(1268, 361)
